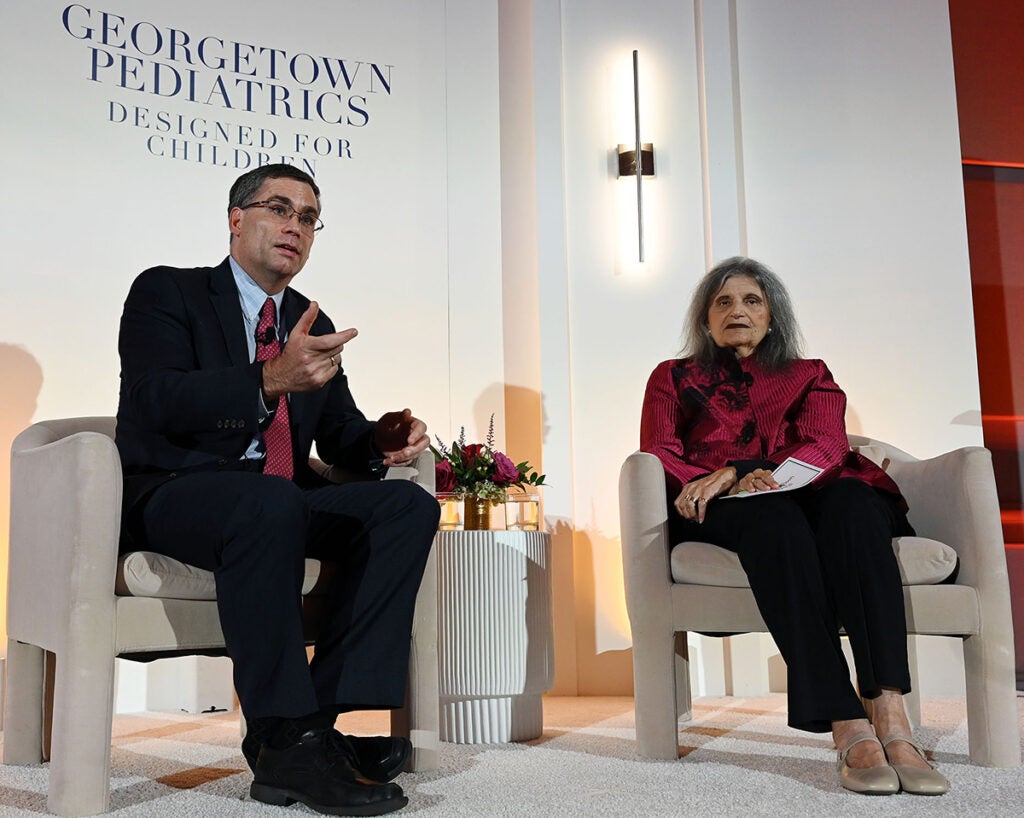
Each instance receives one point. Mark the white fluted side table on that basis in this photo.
(494, 640)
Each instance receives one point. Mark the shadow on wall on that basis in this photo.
(563, 606)
(601, 672)
(578, 605)
(526, 426)
(23, 380)
(526, 432)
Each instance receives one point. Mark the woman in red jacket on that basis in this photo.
(721, 420)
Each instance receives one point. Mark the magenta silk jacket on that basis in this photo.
(697, 419)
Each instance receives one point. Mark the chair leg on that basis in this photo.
(82, 719)
(912, 700)
(420, 719)
(654, 691)
(23, 709)
(993, 738)
(684, 703)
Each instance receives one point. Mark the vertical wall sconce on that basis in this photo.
(628, 164)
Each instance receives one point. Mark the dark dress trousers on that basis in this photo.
(189, 409)
(816, 558)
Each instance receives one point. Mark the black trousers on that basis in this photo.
(254, 532)
(817, 559)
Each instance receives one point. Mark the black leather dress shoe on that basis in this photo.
(378, 758)
(315, 771)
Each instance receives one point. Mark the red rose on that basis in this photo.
(470, 452)
(444, 477)
(505, 470)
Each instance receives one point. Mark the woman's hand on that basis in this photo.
(757, 480)
(692, 502)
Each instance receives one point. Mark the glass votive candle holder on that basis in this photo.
(522, 511)
(451, 512)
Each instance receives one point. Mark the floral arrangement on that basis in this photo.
(480, 469)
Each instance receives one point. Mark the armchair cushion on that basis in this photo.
(922, 562)
(144, 573)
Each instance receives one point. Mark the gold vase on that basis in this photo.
(477, 513)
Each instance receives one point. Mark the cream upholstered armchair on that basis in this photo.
(675, 588)
(72, 597)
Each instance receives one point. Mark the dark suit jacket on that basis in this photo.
(697, 419)
(190, 395)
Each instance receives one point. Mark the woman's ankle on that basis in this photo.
(888, 713)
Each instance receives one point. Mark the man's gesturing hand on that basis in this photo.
(307, 361)
(400, 437)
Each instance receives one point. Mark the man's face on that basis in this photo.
(269, 242)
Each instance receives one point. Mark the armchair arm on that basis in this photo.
(643, 516)
(65, 521)
(421, 472)
(952, 498)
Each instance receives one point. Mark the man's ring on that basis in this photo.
(335, 359)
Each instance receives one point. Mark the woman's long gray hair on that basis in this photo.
(778, 348)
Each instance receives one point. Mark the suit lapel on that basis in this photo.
(292, 307)
(224, 297)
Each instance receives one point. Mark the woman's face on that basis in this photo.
(739, 316)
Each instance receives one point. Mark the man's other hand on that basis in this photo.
(400, 437)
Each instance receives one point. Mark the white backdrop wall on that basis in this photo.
(98, 153)
(623, 317)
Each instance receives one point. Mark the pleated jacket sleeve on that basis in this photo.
(661, 428)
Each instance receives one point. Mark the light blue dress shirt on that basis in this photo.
(252, 298)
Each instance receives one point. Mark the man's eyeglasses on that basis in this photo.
(308, 222)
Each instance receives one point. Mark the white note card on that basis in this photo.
(791, 475)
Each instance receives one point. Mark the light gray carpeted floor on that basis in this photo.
(739, 759)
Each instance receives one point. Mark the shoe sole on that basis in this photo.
(281, 797)
(871, 792)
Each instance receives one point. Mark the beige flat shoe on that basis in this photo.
(913, 779)
(867, 780)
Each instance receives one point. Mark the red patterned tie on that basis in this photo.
(278, 437)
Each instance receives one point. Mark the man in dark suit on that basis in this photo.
(228, 376)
